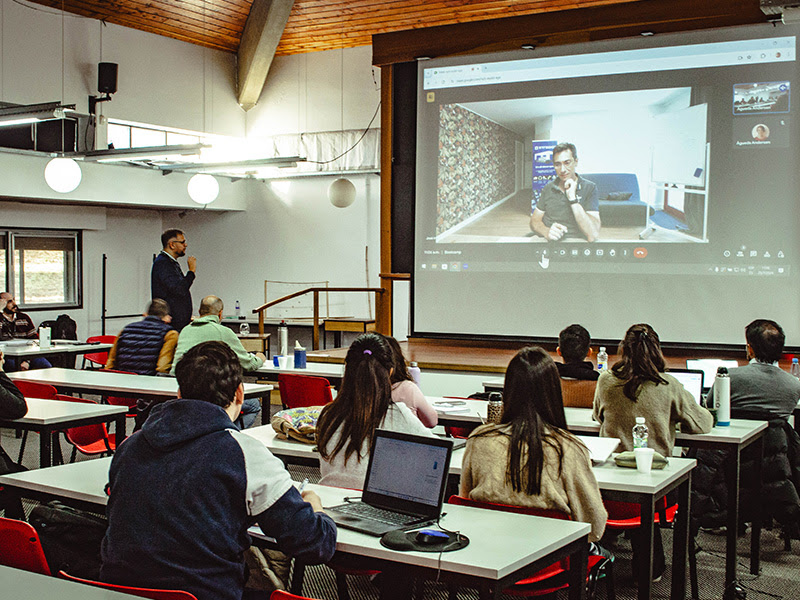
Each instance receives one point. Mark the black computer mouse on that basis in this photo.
(430, 537)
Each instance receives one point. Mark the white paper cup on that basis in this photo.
(644, 459)
(283, 362)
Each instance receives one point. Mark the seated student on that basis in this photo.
(406, 391)
(147, 346)
(15, 324)
(762, 387)
(574, 347)
(184, 490)
(529, 458)
(345, 427)
(12, 406)
(208, 328)
(637, 386)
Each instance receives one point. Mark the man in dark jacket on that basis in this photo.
(147, 346)
(185, 488)
(167, 280)
(574, 346)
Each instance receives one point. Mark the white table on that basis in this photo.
(333, 372)
(123, 384)
(67, 348)
(48, 417)
(23, 585)
(504, 548)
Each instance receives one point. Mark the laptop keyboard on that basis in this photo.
(376, 514)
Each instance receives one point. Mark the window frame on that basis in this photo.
(74, 279)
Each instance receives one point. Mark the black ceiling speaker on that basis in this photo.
(107, 77)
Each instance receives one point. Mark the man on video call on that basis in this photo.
(568, 206)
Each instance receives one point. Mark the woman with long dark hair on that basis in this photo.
(406, 391)
(637, 386)
(529, 458)
(346, 426)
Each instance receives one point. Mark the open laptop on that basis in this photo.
(693, 380)
(405, 484)
(709, 367)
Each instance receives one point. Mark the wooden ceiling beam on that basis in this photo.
(566, 26)
(260, 39)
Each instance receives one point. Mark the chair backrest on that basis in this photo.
(99, 358)
(304, 390)
(31, 389)
(281, 595)
(523, 510)
(84, 434)
(133, 591)
(120, 400)
(20, 547)
(578, 393)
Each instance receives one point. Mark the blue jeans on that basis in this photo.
(250, 409)
(12, 363)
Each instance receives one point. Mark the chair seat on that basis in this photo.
(551, 579)
(623, 515)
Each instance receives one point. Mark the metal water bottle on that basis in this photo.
(413, 370)
(494, 411)
(722, 397)
(283, 334)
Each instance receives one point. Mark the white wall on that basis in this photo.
(288, 232)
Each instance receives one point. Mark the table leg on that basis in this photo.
(120, 427)
(645, 564)
(680, 540)
(45, 448)
(396, 585)
(732, 477)
(755, 532)
(578, 565)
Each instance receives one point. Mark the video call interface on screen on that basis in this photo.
(683, 155)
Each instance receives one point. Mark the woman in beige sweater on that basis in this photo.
(530, 459)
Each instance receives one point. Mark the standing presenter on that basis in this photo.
(568, 206)
(167, 280)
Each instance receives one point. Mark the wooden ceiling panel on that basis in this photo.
(313, 25)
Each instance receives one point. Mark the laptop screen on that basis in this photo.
(407, 472)
(692, 380)
(709, 367)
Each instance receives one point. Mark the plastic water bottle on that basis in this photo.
(722, 397)
(795, 368)
(413, 370)
(238, 310)
(640, 433)
(602, 359)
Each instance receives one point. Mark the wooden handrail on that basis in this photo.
(315, 291)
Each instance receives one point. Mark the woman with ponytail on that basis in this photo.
(346, 426)
(637, 386)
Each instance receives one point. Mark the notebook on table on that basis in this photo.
(693, 380)
(405, 485)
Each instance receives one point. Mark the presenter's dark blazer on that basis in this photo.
(168, 282)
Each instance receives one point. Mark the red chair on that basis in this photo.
(153, 594)
(20, 547)
(121, 400)
(97, 360)
(31, 389)
(281, 595)
(457, 432)
(91, 440)
(553, 578)
(304, 390)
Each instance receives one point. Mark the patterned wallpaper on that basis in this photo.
(476, 165)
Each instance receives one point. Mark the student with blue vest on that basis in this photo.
(147, 346)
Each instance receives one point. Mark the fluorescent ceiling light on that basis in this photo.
(146, 153)
(233, 166)
(24, 114)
